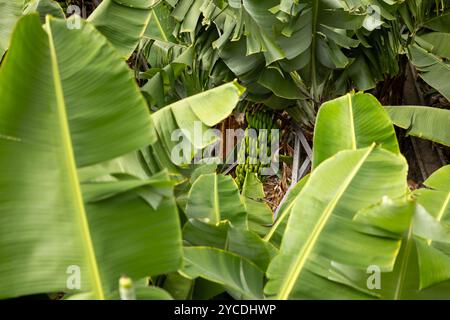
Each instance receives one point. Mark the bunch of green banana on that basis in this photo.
(253, 146)
(260, 119)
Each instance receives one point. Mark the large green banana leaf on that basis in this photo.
(432, 69)
(201, 169)
(68, 100)
(123, 22)
(423, 122)
(61, 72)
(422, 269)
(320, 231)
(440, 42)
(351, 122)
(235, 273)
(10, 12)
(194, 116)
(434, 253)
(439, 23)
(198, 233)
(244, 243)
(249, 245)
(440, 179)
(214, 198)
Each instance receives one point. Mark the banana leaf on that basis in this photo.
(10, 12)
(214, 198)
(351, 122)
(321, 232)
(432, 69)
(233, 272)
(81, 107)
(423, 122)
(123, 22)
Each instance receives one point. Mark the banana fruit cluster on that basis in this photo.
(257, 142)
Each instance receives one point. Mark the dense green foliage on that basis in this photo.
(90, 190)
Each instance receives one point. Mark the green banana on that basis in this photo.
(255, 146)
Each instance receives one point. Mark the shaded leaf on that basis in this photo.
(423, 122)
(225, 268)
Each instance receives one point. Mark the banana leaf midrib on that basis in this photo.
(352, 121)
(216, 201)
(404, 264)
(158, 24)
(72, 169)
